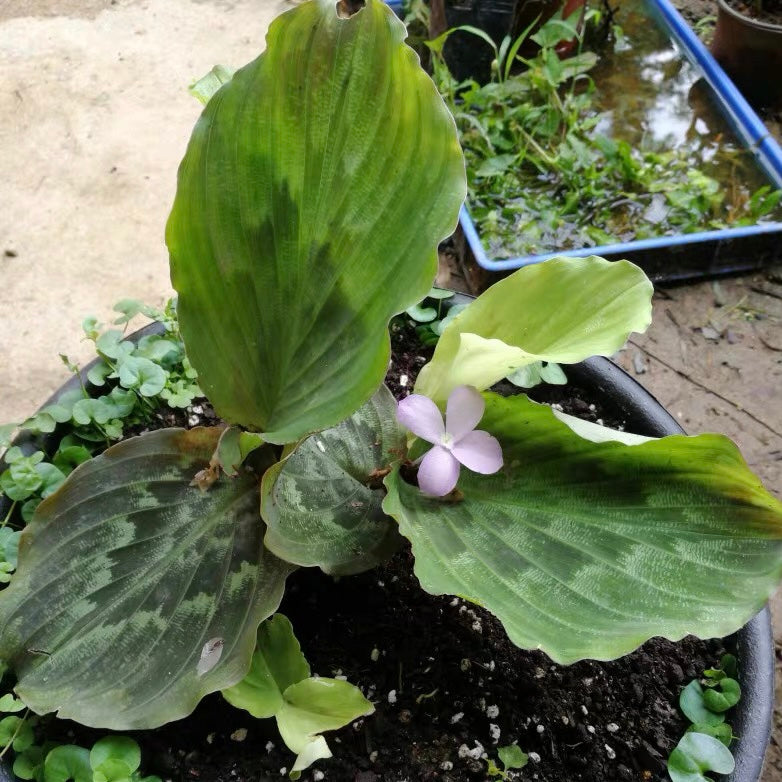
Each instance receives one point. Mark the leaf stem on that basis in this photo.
(16, 733)
(8, 517)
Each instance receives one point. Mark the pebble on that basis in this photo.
(494, 732)
(476, 753)
(317, 775)
(375, 655)
(610, 752)
(492, 712)
(612, 727)
(540, 729)
(446, 765)
(239, 735)
(392, 696)
(456, 717)
(373, 756)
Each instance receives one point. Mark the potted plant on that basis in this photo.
(496, 19)
(310, 202)
(748, 44)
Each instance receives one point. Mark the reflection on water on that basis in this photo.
(653, 97)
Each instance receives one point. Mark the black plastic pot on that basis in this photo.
(753, 644)
(469, 57)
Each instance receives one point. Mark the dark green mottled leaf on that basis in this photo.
(127, 573)
(317, 504)
(588, 549)
(310, 203)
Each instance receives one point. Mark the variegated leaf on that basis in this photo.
(310, 202)
(587, 549)
(130, 580)
(319, 505)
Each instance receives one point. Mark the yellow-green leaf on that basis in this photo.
(562, 311)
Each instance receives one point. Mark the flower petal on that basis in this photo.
(438, 472)
(464, 411)
(422, 417)
(479, 451)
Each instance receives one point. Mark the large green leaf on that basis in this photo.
(562, 311)
(137, 594)
(317, 505)
(588, 549)
(310, 203)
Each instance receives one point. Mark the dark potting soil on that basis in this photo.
(767, 11)
(448, 686)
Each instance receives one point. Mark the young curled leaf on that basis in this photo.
(723, 696)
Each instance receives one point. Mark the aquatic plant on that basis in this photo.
(544, 177)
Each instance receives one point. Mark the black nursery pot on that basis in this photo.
(753, 645)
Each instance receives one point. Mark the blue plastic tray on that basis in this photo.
(694, 254)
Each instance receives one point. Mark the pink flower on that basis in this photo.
(455, 442)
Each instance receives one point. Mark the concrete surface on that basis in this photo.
(94, 117)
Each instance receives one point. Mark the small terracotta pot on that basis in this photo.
(750, 51)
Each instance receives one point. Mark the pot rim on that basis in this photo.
(768, 27)
(753, 643)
